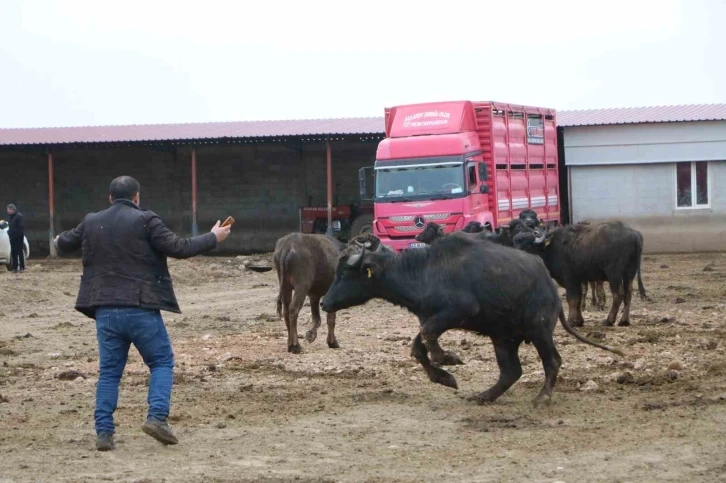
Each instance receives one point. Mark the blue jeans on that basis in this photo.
(117, 328)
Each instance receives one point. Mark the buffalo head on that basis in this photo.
(359, 265)
(473, 227)
(529, 217)
(369, 241)
(531, 241)
(432, 232)
(515, 227)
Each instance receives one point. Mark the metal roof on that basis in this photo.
(324, 127)
(642, 115)
(192, 131)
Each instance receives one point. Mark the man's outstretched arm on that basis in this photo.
(70, 241)
(165, 241)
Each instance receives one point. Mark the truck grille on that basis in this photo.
(437, 216)
(434, 216)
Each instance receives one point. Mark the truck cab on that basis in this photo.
(457, 162)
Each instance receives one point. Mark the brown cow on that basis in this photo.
(305, 264)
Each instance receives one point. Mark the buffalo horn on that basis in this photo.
(363, 245)
(354, 259)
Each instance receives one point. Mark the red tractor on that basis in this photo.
(349, 221)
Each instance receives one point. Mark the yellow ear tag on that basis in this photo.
(369, 272)
(547, 242)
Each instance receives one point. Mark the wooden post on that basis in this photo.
(51, 205)
(195, 227)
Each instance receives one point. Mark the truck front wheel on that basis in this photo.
(362, 224)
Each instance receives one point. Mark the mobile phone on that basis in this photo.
(228, 221)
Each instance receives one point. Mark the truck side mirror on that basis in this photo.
(482, 172)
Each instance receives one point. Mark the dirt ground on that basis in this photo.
(245, 409)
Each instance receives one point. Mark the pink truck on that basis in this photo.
(456, 162)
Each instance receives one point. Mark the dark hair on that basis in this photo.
(123, 188)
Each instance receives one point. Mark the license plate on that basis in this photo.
(416, 245)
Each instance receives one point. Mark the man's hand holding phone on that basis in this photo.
(221, 230)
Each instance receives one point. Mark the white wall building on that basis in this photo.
(660, 169)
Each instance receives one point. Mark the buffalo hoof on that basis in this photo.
(310, 336)
(579, 323)
(624, 323)
(542, 399)
(484, 397)
(295, 349)
(606, 323)
(334, 345)
(445, 379)
(448, 359)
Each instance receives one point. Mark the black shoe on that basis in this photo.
(159, 430)
(104, 442)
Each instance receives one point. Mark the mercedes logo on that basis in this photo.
(419, 222)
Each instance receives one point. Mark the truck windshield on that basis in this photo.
(427, 179)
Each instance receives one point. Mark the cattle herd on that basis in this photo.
(497, 284)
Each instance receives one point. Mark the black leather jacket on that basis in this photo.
(124, 258)
(16, 226)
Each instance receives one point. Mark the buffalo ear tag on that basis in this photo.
(547, 242)
(369, 272)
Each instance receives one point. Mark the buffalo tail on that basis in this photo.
(579, 337)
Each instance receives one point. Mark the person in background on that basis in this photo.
(125, 285)
(16, 234)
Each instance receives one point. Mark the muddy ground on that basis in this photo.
(245, 409)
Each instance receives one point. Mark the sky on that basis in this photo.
(81, 62)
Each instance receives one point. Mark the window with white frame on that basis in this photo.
(692, 185)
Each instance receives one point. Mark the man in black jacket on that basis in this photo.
(124, 286)
(16, 234)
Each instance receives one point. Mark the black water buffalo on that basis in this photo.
(599, 299)
(505, 234)
(508, 232)
(505, 237)
(477, 227)
(305, 264)
(582, 253)
(433, 231)
(529, 217)
(473, 227)
(468, 284)
(527, 221)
